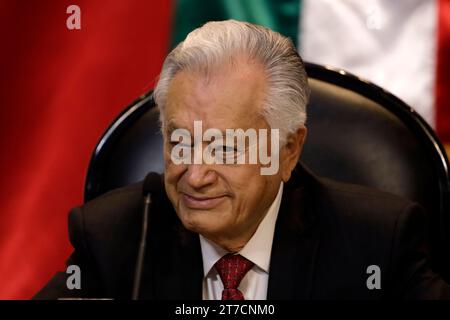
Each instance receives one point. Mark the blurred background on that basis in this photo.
(61, 88)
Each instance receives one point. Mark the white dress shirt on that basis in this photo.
(258, 249)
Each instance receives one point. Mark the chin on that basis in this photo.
(201, 222)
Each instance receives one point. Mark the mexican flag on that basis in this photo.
(61, 87)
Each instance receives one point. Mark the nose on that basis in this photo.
(200, 176)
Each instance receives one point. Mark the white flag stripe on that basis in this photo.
(391, 43)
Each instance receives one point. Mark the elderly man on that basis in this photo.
(259, 228)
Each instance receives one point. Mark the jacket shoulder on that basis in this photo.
(363, 205)
(109, 225)
(367, 222)
(114, 208)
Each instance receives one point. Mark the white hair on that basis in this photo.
(216, 42)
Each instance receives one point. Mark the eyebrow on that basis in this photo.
(172, 125)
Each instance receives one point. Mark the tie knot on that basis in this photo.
(232, 268)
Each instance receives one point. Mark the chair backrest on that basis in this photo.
(357, 132)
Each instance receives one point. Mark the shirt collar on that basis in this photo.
(257, 249)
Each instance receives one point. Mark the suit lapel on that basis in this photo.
(175, 269)
(296, 241)
(191, 259)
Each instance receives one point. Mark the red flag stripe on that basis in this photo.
(59, 90)
(443, 72)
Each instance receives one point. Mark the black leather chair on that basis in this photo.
(357, 132)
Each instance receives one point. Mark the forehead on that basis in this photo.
(229, 97)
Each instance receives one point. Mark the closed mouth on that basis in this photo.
(202, 202)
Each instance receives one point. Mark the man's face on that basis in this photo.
(220, 201)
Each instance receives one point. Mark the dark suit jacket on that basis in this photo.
(326, 235)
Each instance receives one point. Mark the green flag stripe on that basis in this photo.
(278, 15)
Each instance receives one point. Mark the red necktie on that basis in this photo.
(232, 268)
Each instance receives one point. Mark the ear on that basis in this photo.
(291, 151)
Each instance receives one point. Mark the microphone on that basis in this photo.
(152, 185)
